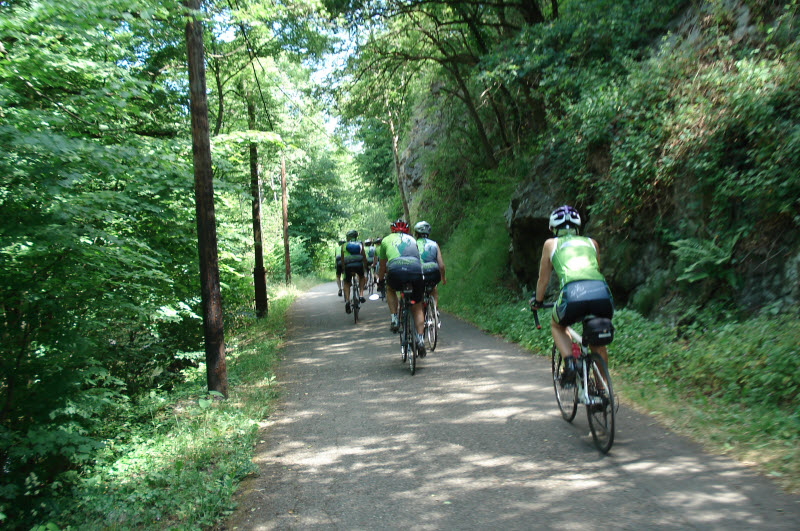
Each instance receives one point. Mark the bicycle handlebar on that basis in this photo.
(536, 313)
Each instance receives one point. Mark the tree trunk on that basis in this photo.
(216, 374)
(285, 207)
(259, 274)
(397, 169)
(473, 112)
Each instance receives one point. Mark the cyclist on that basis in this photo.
(583, 290)
(338, 256)
(370, 247)
(399, 263)
(354, 259)
(431, 256)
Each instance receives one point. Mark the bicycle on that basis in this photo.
(591, 386)
(355, 302)
(432, 323)
(408, 330)
(370, 281)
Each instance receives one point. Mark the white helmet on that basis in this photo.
(564, 217)
(423, 227)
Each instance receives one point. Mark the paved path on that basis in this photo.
(473, 441)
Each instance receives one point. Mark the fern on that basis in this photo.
(699, 259)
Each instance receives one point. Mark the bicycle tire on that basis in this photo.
(402, 333)
(411, 334)
(602, 415)
(355, 303)
(431, 323)
(567, 398)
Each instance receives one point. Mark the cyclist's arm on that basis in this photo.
(381, 269)
(545, 269)
(596, 250)
(441, 263)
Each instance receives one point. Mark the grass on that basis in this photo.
(733, 386)
(179, 459)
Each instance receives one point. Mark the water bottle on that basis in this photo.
(576, 351)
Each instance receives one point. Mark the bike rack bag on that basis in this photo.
(597, 331)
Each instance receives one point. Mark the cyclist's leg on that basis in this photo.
(603, 351)
(347, 284)
(561, 338)
(362, 281)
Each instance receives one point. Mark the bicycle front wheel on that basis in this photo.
(601, 408)
(431, 324)
(566, 392)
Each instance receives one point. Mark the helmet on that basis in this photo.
(399, 226)
(423, 227)
(378, 241)
(342, 242)
(368, 242)
(352, 234)
(564, 217)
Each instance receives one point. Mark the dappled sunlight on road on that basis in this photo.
(473, 441)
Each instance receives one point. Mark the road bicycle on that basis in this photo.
(408, 330)
(590, 385)
(370, 286)
(432, 323)
(355, 302)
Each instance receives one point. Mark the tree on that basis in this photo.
(216, 373)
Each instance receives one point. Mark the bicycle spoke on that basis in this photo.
(601, 409)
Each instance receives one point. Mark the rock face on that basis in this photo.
(412, 168)
(641, 270)
(527, 221)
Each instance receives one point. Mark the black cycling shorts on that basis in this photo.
(581, 298)
(354, 268)
(400, 272)
(432, 274)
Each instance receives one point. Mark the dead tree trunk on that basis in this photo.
(285, 207)
(259, 274)
(216, 374)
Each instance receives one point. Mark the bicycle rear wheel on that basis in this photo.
(601, 409)
(410, 334)
(431, 323)
(567, 397)
(356, 303)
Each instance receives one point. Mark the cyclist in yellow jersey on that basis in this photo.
(338, 259)
(583, 290)
(399, 264)
(354, 260)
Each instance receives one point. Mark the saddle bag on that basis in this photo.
(597, 331)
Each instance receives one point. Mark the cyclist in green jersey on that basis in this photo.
(338, 258)
(400, 264)
(583, 290)
(354, 260)
(370, 247)
(431, 256)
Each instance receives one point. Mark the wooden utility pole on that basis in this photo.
(259, 274)
(285, 223)
(216, 374)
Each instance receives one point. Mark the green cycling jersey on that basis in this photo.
(396, 245)
(575, 258)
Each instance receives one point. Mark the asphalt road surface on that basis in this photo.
(473, 441)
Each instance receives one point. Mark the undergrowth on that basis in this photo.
(177, 458)
(732, 385)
